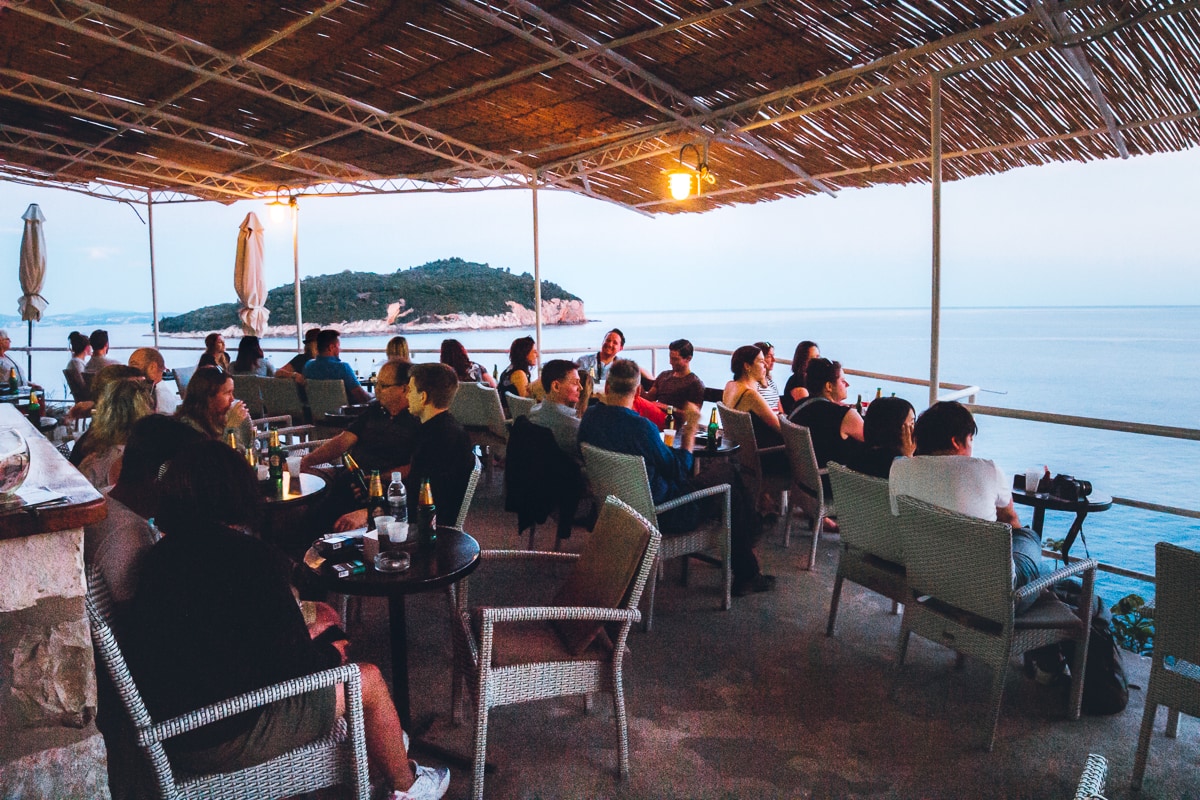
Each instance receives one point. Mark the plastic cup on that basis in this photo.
(669, 437)
(293, 465)
(1032, 478)
(382, 520)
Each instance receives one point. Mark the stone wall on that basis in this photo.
(50, 746)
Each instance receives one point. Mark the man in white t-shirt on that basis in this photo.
(945, 474)
(150, 362)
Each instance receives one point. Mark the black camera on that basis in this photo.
(1070, 489)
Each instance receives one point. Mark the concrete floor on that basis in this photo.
(757, 702)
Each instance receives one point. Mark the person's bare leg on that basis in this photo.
(381, 724)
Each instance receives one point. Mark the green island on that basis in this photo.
(441, 295)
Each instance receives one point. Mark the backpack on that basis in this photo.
(1105, 684)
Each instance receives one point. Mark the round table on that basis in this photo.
(725, 449)
(455, 557)
(1041, 502)
(283, 517)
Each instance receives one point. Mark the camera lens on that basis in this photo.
(1085, 488)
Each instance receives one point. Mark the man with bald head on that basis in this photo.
(151, 363)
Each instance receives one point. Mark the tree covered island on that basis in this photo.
(449, 294)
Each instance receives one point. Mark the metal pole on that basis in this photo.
(537, 276)
(295, 206)
(153, 276)
(935, 98)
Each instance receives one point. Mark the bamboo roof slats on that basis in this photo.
(177, 100)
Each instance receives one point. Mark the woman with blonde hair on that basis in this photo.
(397, 349)
(121, 403)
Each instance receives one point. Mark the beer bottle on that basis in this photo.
(426, 517)
(35, 409)
(376, 505)
(670, 423)
(713, 431)
(231, 440)
(356, 474)
(858, 406)
(275, 462)
(878, 392)
(252, 455)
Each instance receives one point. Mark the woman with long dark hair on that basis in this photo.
(793, 390)
(887, 434)
(214, 352)
(455, 356)
(517, 377)
(209, 407)
(251, 360)
(749, 365)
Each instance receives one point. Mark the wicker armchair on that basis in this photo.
(1091, 782)
(248, 389)
(739, 428)
(960, 574)
(282, 396)
(576, 645)
(323, 397)
(624, 477)
(872, 553)
(1175, 685)
(806, 483)
(339, 758)
(518, 406)
(182, 376)
(477, 408)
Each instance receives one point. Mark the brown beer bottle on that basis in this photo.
(376, 505)
(426, 517)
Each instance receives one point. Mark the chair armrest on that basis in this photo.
(286, 419)
(347, 674)
(1046, 581)
(526, 555)
(491, 615)
(775, 448)
(692, 497)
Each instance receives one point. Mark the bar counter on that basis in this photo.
(51, 747)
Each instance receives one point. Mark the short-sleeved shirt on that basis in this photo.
(972, 486)
(592, 362)
(384, 441)
(298, 361)
(676, 391)
(331, 368)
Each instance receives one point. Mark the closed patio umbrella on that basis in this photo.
(33, 274)
(248, 278)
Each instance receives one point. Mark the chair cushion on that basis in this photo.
(538, 642)
(600, 578)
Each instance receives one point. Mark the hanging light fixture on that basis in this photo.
(279, 207)
(685, 179)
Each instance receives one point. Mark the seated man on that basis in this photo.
(944, 473)
(558, 412)
(294, 369)
(99, 359)
(381, 438)
(616, 426)
(150, 362)
(678, 386)
(598, 364)
(442, 453)
(327, 366)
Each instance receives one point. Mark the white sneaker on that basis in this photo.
(431, 784)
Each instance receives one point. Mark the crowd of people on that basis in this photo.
(161, 465)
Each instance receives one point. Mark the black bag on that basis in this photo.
(1105, 685)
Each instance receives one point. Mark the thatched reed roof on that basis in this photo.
(220, 100)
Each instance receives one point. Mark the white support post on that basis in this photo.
(295, 206)
(935, 136)
(537, 275)
(153, 275)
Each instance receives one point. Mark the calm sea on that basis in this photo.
(1132, 364)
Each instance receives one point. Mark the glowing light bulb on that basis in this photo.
(680, 183)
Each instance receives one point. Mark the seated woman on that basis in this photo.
(214, 352)
(517, 376)
(397, 349)
(793, 390)
(209, 407)
(455, 356)
(887, 434)
(837, 430)
(251, 360)
(767, 387)
(121, 403)
(84, 409)
(749, 365)
(244, 630)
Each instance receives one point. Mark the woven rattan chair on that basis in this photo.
(872, 553)
(79, 389)
(324, 396)
(1175, 668)
(469, 495)
(624, 477)
(477, 408)
(248, 389)
(518, 406)
(739, 428)
(576, 645)
(1091, 782)
(182, 376)
(960, 574)
(282, 396)
(339, 758)
(806, 484)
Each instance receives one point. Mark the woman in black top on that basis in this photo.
(794, 390)
(837, 429)
(887, 434)
(517, 376)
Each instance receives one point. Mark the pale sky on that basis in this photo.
(1109, 233)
